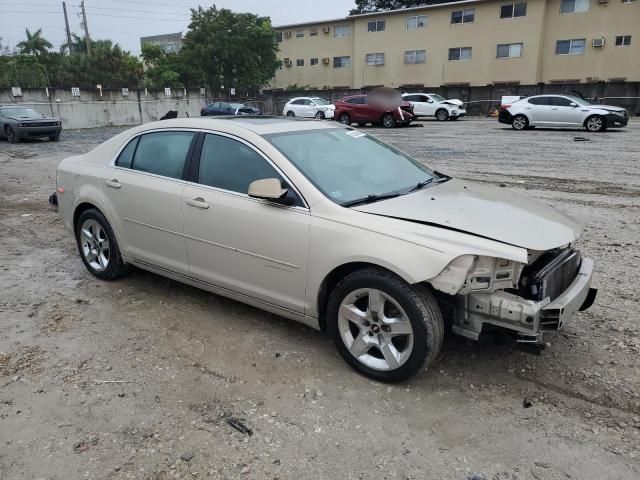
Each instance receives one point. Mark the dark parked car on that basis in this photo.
(17, 122)
(225, 108)
(363, 109)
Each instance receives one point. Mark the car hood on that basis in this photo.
(44, 118)
(454, 101)
(609, 108)
(483, 211)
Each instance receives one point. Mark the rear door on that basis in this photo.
(143, 194)
(537, 110)
(246, 245)
(564, 112)
(418, 102)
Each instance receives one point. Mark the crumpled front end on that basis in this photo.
(526, 299)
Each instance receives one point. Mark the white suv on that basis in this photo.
(309, 107)
(563, 111)
(433, 105)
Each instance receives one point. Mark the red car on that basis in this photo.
(361, 110)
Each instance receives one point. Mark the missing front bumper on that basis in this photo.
(528, 318)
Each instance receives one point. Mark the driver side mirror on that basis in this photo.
(573, 104)
(268, 189)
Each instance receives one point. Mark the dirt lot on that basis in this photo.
(144, 377)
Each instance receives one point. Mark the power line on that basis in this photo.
(139, 11)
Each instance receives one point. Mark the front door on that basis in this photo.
(243, 244)
(143, 194)
(564, 112)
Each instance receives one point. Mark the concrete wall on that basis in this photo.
(91, 109)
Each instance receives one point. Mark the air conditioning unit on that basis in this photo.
(326, 60)
(287, 62)
(603, 2)
(598, 42)
(326, 29)
(287, 34)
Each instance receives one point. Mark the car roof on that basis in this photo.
(259, 124)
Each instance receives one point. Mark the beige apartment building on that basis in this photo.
(470, 42)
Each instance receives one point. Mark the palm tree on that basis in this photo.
(35, 44)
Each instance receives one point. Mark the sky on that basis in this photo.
(125, 21)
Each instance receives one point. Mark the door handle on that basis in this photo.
(554, 108)
(197, 202)
(113, 183)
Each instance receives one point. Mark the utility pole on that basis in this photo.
(66, 23)
(86, 28)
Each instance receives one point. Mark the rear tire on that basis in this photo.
(520, 122)
(345, 119)
(388, 121)
(365, 336)
(442, 115)
(11, 134)
(595, 123)
(98, 246)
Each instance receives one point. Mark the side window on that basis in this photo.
(230, 165)
(163, 153)
(539, 101)
(126, 155)
(559, 102)
(308, 102)
(300, 101)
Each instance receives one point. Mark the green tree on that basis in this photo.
(162, 68)
(224, 48)
(367, 6)
(35, 44)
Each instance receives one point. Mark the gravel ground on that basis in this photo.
(146, 378)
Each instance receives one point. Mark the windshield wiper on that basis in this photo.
(369, 199)
(421, 185)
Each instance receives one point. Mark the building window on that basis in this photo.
(416, 21)
(279, 37)
(623, 40)
(375, 26)
(300, 62)
(342, 31)
(463, 53)
(570, 47)
(574, 6)
(341, 62)
(628, 1)
(513, 10)
(313, 32)
(299, 33)
(509, 50)
(415, 56)
(374, 59)
(463, 16)
(313, 61)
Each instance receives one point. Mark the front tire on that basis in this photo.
(290, 114)
(388, 121)
(98, 246)
(383, 327)
(520, 122)
(345, 119)
(55, 138)
(442, 115)
(595, 123)
(11, 134)
(319, 116)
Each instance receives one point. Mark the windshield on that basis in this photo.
(320, 101)
(21, 112)
(437, 98)
(579, 101)
(348, 165)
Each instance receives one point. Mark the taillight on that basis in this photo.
(504, 106)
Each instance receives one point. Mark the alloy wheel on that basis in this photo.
(594, 124)
(375, 329)
(442, 115)
(519, 123)
(95, 245)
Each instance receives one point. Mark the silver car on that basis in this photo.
(561, 111)
(328, 226)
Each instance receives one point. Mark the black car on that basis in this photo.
(225, 108)
(18, 122)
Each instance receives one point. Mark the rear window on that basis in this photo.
(126, 156)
